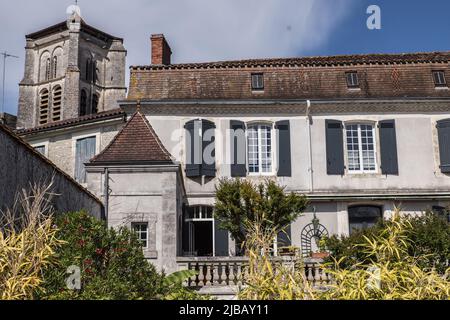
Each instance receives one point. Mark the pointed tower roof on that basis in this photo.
(136, 143)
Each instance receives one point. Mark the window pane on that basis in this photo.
(141, 230)
(363, 217)
(353, 148)
(367, 146)
(266, 149)
(253, 150)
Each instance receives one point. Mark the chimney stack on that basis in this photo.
(161, 51)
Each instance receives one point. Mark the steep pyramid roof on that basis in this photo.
(136, 143)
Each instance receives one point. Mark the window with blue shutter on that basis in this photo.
(200, 148)
(443, 128)
(334, 147)
(284, 148)
(220, 241)
(208, 149)
(388, 147)
(85, 151)
(238, 149)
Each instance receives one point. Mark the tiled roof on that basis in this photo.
(137, 142)
(313, 61)
(111, 114)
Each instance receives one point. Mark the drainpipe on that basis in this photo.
(308, 123)
(106, 193)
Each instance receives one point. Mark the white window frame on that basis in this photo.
(203, 219)
(44, 144)
(360, 151)
(75, 138)
(138, 233)
(273, 147)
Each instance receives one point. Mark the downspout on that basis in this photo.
(106, 193)
(308, 123)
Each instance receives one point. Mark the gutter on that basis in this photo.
(308, 124)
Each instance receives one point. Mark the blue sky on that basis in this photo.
(211, 30)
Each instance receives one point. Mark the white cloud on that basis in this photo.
(197, 30)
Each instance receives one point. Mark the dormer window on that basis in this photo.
(352, 80)
(257, 81)
(439, 78)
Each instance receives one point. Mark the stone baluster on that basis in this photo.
(225, 280)
(310, 273)
(201, 274)
(215, 274)
(208, 275)
(239, 274)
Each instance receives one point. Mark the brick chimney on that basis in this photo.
(161, 51)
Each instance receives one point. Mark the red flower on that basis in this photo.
(88, 262)
(81, 243)
(99, 251)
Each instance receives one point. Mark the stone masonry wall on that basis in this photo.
(21, 166)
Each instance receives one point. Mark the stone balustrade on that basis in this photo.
(231, 271)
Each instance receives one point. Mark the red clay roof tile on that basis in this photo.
(136, 142)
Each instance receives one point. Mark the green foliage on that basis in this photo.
(429, 234)
(240, 202)
(111, 261)
(179, 277)
(387, 270)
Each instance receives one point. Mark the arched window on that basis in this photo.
(55, 67)
(57, 100)
(83, 103)
(363, 217)
(95, 103)
(47, 69)
(43, 107)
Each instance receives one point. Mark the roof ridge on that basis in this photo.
(152, 131)
(166, 155)
(362, 56)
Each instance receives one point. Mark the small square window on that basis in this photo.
(141, 230)
(439, 79)
(257, 81)
(352, 79)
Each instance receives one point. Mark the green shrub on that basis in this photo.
(389, 271)
(111, 261)
(429, 235)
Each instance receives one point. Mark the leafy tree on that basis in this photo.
(111, 261)
(239, 203)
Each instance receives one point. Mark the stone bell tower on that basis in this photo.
(71, 70)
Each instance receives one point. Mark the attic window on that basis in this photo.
(352, 79)
(439, 79)
(257, 81)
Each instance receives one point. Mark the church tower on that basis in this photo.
(71, 70)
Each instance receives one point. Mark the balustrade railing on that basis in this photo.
(231, 271)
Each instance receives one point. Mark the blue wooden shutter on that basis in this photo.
(84, 151)
(335, 147)
(221, 241)
(208, 169)
(284, 148)
(193, 162)
(443, 127)
(238, 162)
(388, 147)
